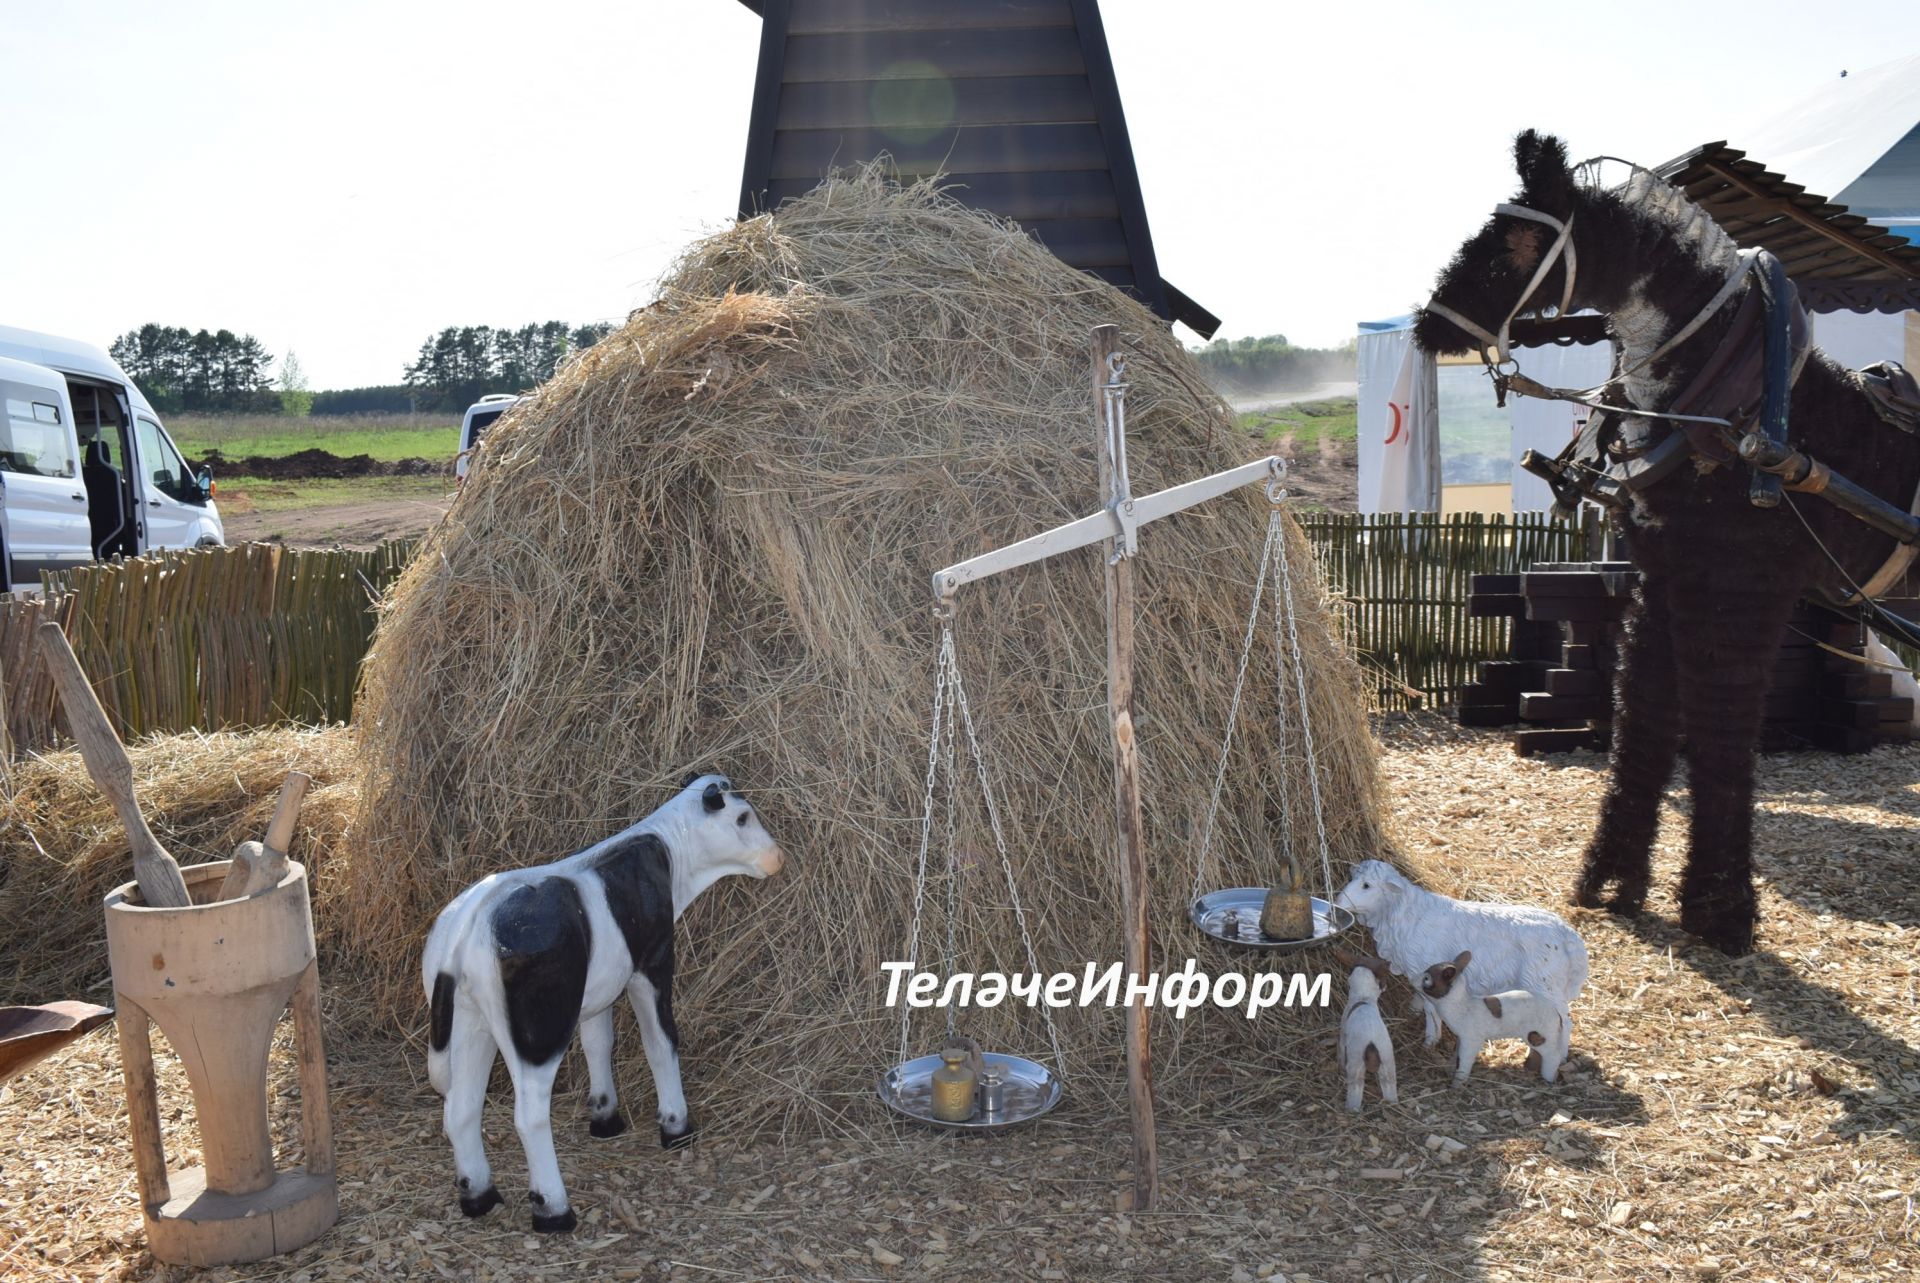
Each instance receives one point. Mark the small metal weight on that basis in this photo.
(993, 1096)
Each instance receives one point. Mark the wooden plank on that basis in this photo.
(1097, 61)
(1791, 209)
(891, 55)
(818, 17)
(1083, 242)
(917, 103)
(758, 167)
(810, 153)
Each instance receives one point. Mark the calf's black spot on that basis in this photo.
(637, 873)
(542, 940)
(442, 1032)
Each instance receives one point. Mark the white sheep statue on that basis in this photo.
(1515, 946)
(1364, 1043)
(1479, 1020)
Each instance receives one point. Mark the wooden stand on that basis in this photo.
(215, 977)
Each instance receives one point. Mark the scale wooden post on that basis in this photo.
(1115, 526)
(1107, 372)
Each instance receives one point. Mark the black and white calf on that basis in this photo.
(520, 958)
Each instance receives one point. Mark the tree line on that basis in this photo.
(220, 372)
(214, 371)
(1270, 362)
(460, 364)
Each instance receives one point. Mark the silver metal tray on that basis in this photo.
(1031, 1090)
(1209, 913)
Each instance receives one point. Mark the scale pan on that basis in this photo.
(1209, 914)
(1031, 1090)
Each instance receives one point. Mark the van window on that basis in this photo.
(163, 464)
(35, 441)
(478, 424)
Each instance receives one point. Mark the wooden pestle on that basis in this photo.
(258, 866)
(161, 885)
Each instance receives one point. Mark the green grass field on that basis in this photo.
(384, 436)
(1307, 422)
(256, 494)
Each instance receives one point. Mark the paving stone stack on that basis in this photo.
(1557, 684)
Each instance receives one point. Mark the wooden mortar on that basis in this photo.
(215, 977)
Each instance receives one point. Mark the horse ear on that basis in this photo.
(1545, 179)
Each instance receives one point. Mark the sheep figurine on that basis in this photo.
(1364, 1043)
(1514, 1014)
(1516, 946)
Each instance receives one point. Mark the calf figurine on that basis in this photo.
(520, 958)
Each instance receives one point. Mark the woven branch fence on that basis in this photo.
(257, 634)
(212, 639)
(1402, 579)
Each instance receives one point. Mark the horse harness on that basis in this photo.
(1735, 408)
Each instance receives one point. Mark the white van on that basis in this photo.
(478, 418)
(87, 469)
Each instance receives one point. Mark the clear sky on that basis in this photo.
(344, 178)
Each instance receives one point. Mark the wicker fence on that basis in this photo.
(215, 638)
(1402, 580)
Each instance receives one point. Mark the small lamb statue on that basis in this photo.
(1476, 1021)
(1364, 1043)
(1519, 946)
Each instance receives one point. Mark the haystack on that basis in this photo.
(706, 544)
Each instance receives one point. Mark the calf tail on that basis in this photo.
(441, 1032)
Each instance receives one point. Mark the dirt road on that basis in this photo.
(344, 525)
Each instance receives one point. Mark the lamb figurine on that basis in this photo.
(1364, 1043)
(1514, 1014)
(1516, 946)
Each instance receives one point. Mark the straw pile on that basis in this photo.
(707, 542)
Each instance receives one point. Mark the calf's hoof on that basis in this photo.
(480, 1204)
(607, 1128)
(676, 1140)
(561, 1223)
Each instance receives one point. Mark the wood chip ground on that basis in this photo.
(1755, 1119)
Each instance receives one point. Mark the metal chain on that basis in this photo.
(1233, 709)
(942, 666)
(1006, 861)
(1286, 723)
(953, 847)
(1306, 720)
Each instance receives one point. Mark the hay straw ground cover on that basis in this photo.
(1748, 1120)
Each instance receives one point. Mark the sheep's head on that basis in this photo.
(1372, 889)
(1441, 976)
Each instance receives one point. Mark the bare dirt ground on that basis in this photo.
(1325, 475)
(1752, 1119)
(358, 523)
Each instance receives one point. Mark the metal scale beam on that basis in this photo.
(1117, 525)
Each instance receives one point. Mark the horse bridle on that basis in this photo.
(1505, 368)
(1562, 244)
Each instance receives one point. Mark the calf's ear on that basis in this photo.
(714, 798)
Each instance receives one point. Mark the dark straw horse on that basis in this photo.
(1719, 575)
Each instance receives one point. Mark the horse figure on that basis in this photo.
(1719, 575)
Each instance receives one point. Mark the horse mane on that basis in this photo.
(1660, 202)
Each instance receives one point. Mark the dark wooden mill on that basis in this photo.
(1013, 102)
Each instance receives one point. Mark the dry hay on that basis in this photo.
(1735, 1120)
(707, 543)
(62, 848)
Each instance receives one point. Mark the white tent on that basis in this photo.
(1422, 419)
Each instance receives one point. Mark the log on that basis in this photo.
(161, 885)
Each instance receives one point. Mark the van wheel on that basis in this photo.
(208, 541)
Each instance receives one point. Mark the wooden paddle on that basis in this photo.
(161, 885)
